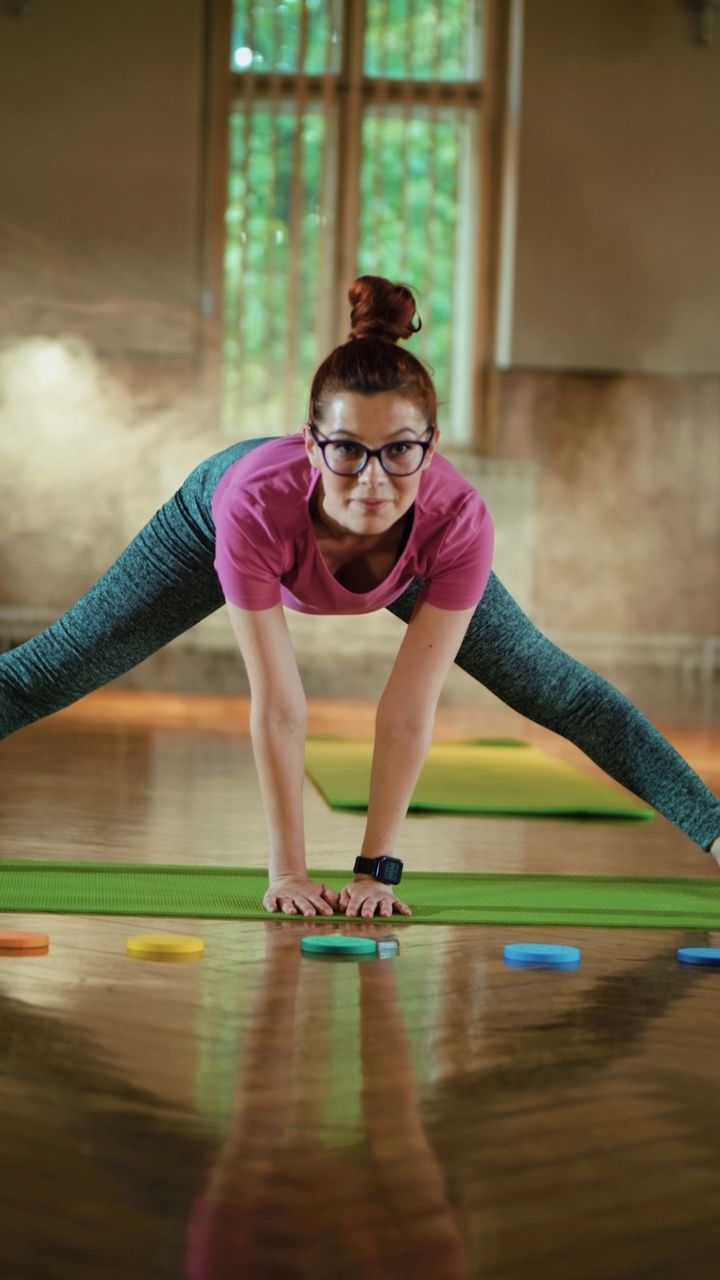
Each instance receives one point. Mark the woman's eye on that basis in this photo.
(397, 450)
(344, 447)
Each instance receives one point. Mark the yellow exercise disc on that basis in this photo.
(164, 946)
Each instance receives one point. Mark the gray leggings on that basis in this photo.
(165, 582)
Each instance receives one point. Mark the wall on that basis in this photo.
(626, 560)
(101, 198)
(100, 156)
(617, 270)
(603, 486)
(618, 256)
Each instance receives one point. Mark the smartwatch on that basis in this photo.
(386, 870)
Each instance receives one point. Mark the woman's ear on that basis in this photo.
(429, 454)
(311, 449)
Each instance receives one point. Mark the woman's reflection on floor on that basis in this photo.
(290, 1196)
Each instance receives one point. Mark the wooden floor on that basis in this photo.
(256, 1114)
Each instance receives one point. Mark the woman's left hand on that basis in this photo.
(367, 898)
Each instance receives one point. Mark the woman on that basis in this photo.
(356, 512)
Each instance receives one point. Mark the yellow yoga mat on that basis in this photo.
(484, 776)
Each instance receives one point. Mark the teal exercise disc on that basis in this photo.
(338, 945)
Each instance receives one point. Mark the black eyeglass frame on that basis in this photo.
(322, 445)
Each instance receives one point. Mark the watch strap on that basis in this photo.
(374, 867)
(365, 866)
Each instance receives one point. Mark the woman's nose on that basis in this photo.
(372, 471)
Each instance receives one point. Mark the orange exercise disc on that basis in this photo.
(23, 941)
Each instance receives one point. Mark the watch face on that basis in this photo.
(391, 870)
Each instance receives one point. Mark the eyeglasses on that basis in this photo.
(399, 458)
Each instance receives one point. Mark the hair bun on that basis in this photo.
(380, 309)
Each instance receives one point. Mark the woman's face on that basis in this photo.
(370, 503)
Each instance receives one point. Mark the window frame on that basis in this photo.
(354, 93)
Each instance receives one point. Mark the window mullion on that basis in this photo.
(297, 207)
(350, 113)
(328, 197)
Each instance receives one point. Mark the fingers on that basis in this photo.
(362, 900)
(297, 904)
(323, 903)
(357, 901)
(275, 903)
(330, 896)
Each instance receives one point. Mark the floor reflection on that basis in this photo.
(295, 1191)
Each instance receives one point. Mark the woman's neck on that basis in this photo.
(329, 530)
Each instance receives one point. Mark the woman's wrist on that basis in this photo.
(287, 865)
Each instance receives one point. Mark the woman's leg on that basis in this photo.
(161, 585)
(506, 653)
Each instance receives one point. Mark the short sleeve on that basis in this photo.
(248, 553)
(462, 562)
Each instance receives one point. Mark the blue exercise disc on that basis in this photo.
(540, 955)
(699, 955)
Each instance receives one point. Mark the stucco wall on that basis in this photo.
(100, 154)
(618, 256)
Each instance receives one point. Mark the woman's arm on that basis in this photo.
(278, 719)
(403, 732)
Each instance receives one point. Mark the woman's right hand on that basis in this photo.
(296, 895)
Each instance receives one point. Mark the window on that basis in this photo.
(354, 148)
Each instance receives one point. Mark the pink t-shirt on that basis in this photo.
(266, 552)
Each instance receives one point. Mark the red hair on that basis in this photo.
(370, 361)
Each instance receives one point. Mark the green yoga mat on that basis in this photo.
(223, 893)
(485, 776)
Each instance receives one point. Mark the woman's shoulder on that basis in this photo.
(272, 459)
(446, 491)
(275, 474)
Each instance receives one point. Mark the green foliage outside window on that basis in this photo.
(408, 208)
(260, 389)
